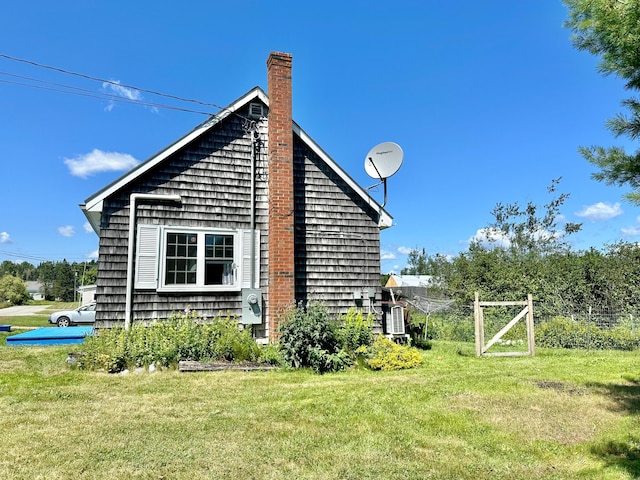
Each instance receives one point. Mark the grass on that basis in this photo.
(560, 414)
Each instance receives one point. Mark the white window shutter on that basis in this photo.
(245, 280)
(147, 257)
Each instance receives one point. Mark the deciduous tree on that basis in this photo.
(13, 290)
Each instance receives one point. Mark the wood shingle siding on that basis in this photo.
(337, 235)
(213, 178)
(200, 188)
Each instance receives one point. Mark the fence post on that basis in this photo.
(478, 325)
(589, 329)
(530, 327)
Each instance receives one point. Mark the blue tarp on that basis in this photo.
(51, 336)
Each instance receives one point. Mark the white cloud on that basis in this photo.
(114, 88)
(384, 255)
(600, 211)
(122, 91)
(98, 161)
(93, 255)
(405, 250)
(67, 231)
(5, 237)
(87, 227)
(490, 237)
(632, 231)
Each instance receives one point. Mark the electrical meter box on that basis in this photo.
(251, 306)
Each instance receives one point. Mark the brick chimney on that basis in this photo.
(281, 226)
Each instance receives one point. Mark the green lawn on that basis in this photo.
(558, 415)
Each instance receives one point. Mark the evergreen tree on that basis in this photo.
(610, 29)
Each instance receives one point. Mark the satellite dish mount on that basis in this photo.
(383, 161)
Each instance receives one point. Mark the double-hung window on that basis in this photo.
(181, 259)
(175, 259)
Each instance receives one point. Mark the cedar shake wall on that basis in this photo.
(337, 239)
(212, 175)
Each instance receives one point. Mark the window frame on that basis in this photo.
(201, 259)
(150, 259)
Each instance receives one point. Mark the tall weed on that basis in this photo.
(167, 342)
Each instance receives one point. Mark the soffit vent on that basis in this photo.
(256, 110)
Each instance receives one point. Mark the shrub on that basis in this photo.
(308, 339)
(562, 332)
(452, 328)
(271, 354)
(355, 330)
(388, 355)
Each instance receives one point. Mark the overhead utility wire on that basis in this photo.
(111, 82)
(88, 93)
(33, 257)
(89, 77)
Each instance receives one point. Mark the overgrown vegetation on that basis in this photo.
(525, 251)
(562, 332)
(165, 343)
(309, 338)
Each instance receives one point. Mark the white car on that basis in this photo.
(80, 316)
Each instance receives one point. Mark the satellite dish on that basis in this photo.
(383, 160)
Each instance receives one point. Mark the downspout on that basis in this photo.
(253, 132)
(133, 201)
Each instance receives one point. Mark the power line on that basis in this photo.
(83, 92)
(89, 77)
(39, 258)
(115, 84)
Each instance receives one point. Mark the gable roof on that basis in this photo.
(92, 207)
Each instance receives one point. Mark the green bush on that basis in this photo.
(451, 328)
(562, 332)
(308, 339)
(355, 330)
(165, 343)
(388, 355)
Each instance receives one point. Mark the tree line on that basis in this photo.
(562, 282)
(58, 280)
(526, 251)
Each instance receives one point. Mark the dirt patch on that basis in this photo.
(560, 387)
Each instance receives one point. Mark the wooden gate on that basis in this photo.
(478, 315)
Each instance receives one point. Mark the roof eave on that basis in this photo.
(94, 202)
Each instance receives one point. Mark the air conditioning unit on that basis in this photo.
(395, 323)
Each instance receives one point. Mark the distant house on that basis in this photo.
(35, 290)
(87, 293)
(245, 214)
(398, 281)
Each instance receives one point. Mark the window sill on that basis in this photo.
(199, 289)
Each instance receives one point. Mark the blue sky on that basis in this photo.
(488, 100)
